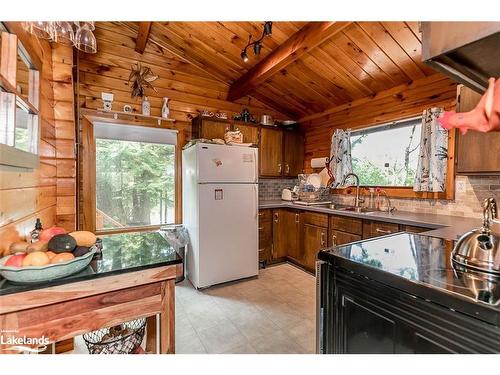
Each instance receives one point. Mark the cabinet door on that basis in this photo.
(476, 152)
(336, 237)
(250, 132)
(211, 129)
(314, 239)
(286, 234)
(265, 235)
(293, 154)
(271, 152)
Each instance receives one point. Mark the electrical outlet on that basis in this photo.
(460, 186)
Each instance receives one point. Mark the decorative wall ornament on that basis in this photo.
(141, 77)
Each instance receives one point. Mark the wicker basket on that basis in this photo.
(124, 338)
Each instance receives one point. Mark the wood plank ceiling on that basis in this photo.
(357, 62)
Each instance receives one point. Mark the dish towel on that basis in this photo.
(340, 155)
(433, 157)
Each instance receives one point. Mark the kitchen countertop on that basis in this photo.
(121, 253)
(442, 226)
(420, 265)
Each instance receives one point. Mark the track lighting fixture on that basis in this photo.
(257, 44)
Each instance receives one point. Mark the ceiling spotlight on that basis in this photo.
(256, 48)
(257, 45)
(244, 56)
(268, 28)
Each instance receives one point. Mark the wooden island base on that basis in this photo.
(68, 310)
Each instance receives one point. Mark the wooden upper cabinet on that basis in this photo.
(210, 128)
(250, 132)
(293, 153)
(271, 152)
(477, 153)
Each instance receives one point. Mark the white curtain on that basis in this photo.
(340, 155)
(433, 157)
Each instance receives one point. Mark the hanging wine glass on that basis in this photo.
(85, 40)
(89, 24)
(63, 33)
(41, 29)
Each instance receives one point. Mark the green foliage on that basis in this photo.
(135, 182)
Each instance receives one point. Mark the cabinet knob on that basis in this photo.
(287, 169)
(323, 242)
(279, 168)
(276, 217)
(297, 218)
(334, 240)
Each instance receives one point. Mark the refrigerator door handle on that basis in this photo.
(256, 171)
(256, 200)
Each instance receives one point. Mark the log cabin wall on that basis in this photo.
(64, 121)
(189, 88)
(403, 101)
(27, 194)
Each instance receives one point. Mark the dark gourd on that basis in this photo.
(62, 243)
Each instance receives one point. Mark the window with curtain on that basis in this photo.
(135, 176)
(387, 155)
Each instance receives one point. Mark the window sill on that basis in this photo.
(129, 229)
(399, 192)
(14, 157)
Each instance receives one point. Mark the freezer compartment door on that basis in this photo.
(228, 233)
(220, 164)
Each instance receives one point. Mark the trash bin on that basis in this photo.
(178, 237)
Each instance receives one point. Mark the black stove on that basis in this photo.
(422, 260)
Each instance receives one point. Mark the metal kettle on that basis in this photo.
(479, 248)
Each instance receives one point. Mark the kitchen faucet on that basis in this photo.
(357, 200)
(390, 209)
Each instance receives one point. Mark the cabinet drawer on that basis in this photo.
(265, 215)
(314, 218)
(336, 237)
(378, 228)
(346, 224)
(413, 229)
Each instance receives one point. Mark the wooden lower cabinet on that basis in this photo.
(265, 235)
(286, 234)
(378, 228)
(314, 239)
(336, 237)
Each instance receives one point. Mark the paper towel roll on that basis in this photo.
(319, 162)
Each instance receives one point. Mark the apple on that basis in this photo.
(47, 234)
(15, 260)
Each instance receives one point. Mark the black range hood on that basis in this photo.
(467, 52)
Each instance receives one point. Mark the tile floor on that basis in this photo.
(274, 313)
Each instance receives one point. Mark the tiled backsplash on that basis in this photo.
(270, 188)
(467, 202)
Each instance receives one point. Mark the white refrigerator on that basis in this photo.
(220, 211)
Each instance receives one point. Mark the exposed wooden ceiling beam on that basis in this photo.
(304, 40)
(142, 36)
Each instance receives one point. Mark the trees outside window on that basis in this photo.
(135, 184)
(386, 155)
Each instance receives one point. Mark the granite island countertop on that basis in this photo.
(442, 226)
(121, 253)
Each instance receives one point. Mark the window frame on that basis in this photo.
(12, 48)
(407, 191)
(87, 172)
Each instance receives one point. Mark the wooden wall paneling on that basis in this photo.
(396, 103)
(27, 194)
(62, 81)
